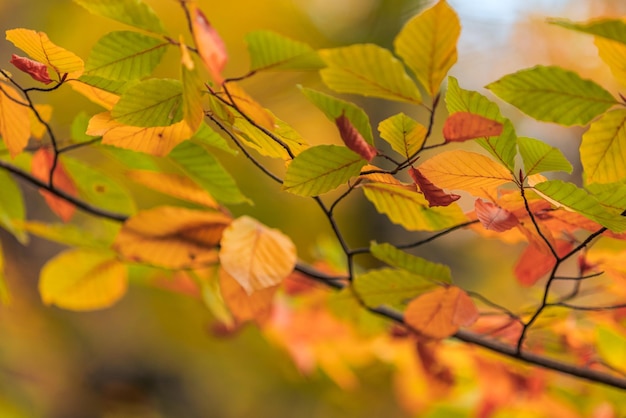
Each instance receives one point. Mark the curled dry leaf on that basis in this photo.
(209, 44)
(440, 313)
(353, 139)
(36, 70)
(493, 217)
(256, 256)
(40, 167)
(463, 126)
(435, 195)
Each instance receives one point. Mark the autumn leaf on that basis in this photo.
(210, 46)
(432, 193)
(172, 237)
(256, 256)
(493, 217)
(40, 167)
(353, 139)
(193, 113)
(175, 185)
(463, 126)
(256, 306)
(405, 135)
(36, 70)
(270, 51)
(534, 263)
(441, 312)
(14, 120)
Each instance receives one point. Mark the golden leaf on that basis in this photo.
(14, 120)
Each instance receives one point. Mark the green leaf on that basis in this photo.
(271, 51)
(417, 265)
(368, 70)
(193, 88)
(552, 94)
(130, 12)
(502, 147)
(612, 195)
(539, 157)
(613, 29)
(112, 86)
(410, 209)
(320, 169)
(334, 108)
(603, 148)
(206, 170)
(580, 201)
(99, 189)
(392, 287)
(131, 159)
(405, 135)
(125, 55)
(11, 207)
(79, 127)
(207, 136)
(70, 234)
(154, 102)
(612, 346)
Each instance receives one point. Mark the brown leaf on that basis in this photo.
(353, 139)
(432, 193)
(40, 168)
(462, 126)
(493, 217)
(36, 70)
(209, 44)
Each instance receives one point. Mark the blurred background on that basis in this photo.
(155, 353)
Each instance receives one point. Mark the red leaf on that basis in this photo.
(534, 263)
(35, 69)
(40, 168)
(353, 139)
(462, 126)
(210, 46)
(432, 193)
(493, 217)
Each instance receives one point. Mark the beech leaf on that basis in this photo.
(493, 217)
(539, 157)
(405, 135)
(14, 120)
(463, 126)
(131, 12)
(353, 139)
(270, 51)
(432, 193)
(440, 313)
(35, 69)
(12, 209)
(395, 257)
(603, 148)
(176, 185)
(256, 256)
(534, 262)
(210, 46)
(390, 286)
(256, 306)
(40, 168)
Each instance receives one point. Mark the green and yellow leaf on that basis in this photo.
(175, 185)
(153, 102)
(390, 286)
(12, 209)
(134, 13)
(612, 29)
(417, 265)
(405, 135)
(193, 112)
(603, 148)
(540, 157)
(270, 51)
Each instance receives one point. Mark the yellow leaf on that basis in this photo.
(172, 237)
(256, 256)
(465, 170)
(256, 306)
(14, 120)
(427, 44)
(83, 280)
(384, 178)
(174, 185)
(37, 128)
(249, 107)
(39, 47)
(193, 113)
(98, 96)
(613, 53)
(603, 148)
(440, 313)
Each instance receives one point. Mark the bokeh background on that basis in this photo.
(155, 353)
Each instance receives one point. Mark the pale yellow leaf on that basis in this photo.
(256, 306)
(39, 47)
(99, 96)
(14, 120)
(603, 148)
(614, 55)
(175, 185)
(256, 256)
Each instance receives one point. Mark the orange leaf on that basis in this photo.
(534, 263)
(40, 167)
(210, 46)
(440, 313)
(175, 185)
(99, 96)
(462, 126)
(432, 193)
(14, 120)
(353, 139)
(255, 255)
(36, 70)
(246, 307)
(493, 217)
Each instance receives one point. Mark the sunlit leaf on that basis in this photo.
(247, 105)
(39, 47)
(153, 102)
(320, 169)
(603, 148)
(41, 166)
(612, 53)
(256, 256)
(14, 120)
(66, 234)
(417, 265)
(244, 306)
(462, 126)
(83, 280)
(193, 112)
(101, 96)
(172, 237)
(612, 195)
(333, 108)
(204, 169)
(207, 136)
(390, 286)
(611, 346)
(174, 185)
(465, 170)
(368, 70)
(613, 29)
(131, 12)
(353, 139)
(440, 313)
(539, 157)
(552, 94)
(405, 135)
(427, 44)
(494, 217)
(11, 207)
(580, 201)
(272, 51)
(37, 70)
(125, 55)
(502, 147)
(410, 209)
(435, 195)
(209, 44)
(270, 145)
